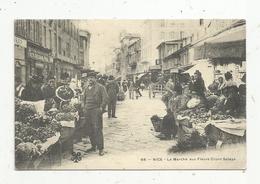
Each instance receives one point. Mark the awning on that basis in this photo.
(228, 44)
(232, 35)
(118, 78)
(155, 67)
(206, 69)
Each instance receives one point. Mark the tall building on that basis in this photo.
(157, 31)
(48, 47)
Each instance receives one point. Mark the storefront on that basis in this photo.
(39, 61)
(19, 55)
(61, 67)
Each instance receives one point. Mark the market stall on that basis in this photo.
(42, 137)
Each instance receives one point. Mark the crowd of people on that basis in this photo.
(176, 96)
(97, 95)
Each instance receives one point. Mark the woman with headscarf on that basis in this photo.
(230, 91)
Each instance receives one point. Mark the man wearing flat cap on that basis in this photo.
(94, 102)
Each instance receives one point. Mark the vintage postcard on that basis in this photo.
(147, 94)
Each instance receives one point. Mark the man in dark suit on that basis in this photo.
(112, 91)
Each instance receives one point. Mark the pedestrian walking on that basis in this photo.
(94, 102)
(131, 90)
(112, 91)
(124, 85)
(137, 88)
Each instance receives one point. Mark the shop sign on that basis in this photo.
(20, 42)
(36, 54)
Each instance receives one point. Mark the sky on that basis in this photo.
(105, 37)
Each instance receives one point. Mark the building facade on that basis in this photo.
(158, 31)
(134, 57)
(47, 48)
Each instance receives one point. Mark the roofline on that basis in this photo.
(169, 42)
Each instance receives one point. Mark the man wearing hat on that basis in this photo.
(112, 91)
(32, 91)
(94, 101)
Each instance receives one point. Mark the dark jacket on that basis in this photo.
(48, 92)
(198, 86)
(100, 96)
(112, 89)
(32, 94)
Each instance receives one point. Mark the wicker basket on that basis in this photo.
(157, 124)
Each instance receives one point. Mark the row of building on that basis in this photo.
(50, 48)
(174, 46)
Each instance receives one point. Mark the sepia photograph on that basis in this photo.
(129, 94)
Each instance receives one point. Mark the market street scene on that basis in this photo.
(130, 94)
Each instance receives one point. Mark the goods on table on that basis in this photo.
(69, 108)
(26, 151)
(22, 111)
(190, 142)
(179, 103)
(193, 102)
(32, 129)
(62, 116)
(27, 133)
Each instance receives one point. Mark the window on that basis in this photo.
(181, 34)
(44, 36)
(59, 45)
(68, 49)
(37, 32)
(63, 25)
(201, 22)
(81, 43)
(50, 39)
(34, 31)
(162, 36)
(55, 42)
(28, 28)
(172, 35)
(71, 29)
(162, 23)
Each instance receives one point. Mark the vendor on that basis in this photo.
(169, 87)
(32, 90)
(64, 92)
(221, 84)
(198, 84)
(230, 91)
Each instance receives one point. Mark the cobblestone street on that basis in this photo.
(130, 144)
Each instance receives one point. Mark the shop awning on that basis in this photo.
(229, 44)
(155, 67)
